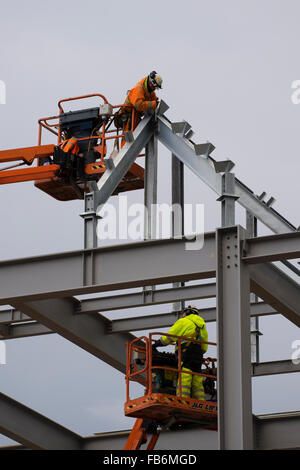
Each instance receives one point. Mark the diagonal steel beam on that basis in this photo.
(205, 170)
(33, 430)
(124, 159)
(86, 331)
(276, 289)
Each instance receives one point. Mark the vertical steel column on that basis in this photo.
(90, 218)
(228, 199)
(251, 228)
(177, 217)
(233, 339)
(150, 194)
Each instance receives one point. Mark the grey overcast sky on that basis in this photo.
(227, 69)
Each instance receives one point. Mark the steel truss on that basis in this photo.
(42, 292)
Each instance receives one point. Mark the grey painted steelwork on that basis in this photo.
(90, 218)
(86, 331)
(227, 200)
(152, 262)
(233, 339)
(159, 262)
(141, 299)
(147, 322)
(272, 248)
(33, 430)
(65, 274)
(23, 330)
(251, 229)
(124, 159)
(178, 210)
(205, 170)
(276, 289)
(278, 431)
(150, 193)
(274, 368)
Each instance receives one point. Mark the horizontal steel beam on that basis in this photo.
(271, 431)
(145, 298)
(274, 368)
(278, 431)
(149, 322)
(23, 330)
(96, 270)
(272, 248)
(33, 430)
(12, 315)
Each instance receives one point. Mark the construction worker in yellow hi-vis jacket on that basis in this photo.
(190, 326)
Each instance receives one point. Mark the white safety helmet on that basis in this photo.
(191, 309)
(155, 79)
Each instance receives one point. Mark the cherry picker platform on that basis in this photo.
(160, 406)
(61, 174)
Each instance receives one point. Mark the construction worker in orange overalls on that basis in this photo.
(70, 146)
(142, 99)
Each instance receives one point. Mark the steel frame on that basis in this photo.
(42, 290)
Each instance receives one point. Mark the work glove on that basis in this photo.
(156, 345)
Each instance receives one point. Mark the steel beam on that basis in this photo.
(272, 431)
(161, 320)
(12, 315)
(147, 322)
(178, 212)
(33, 430)
(233, 340)
(274, 367)
(24, 330)
(86, 331)
(278, 431)
(251, 229)
(142, 299)
(124, 159)
(204, 169)
(276, 289)
(150, 193)
(272, 248)
(90, 218)
(66, 274)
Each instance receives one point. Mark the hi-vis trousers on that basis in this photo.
(191, 385)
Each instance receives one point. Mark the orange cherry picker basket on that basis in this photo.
(63, 175)
(160, 406)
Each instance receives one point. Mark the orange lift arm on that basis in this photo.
(27, 154)
(138, 436)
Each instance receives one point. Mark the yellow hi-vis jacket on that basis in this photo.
(193, 326)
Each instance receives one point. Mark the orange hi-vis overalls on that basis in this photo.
(70, 146)
(141, 100)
